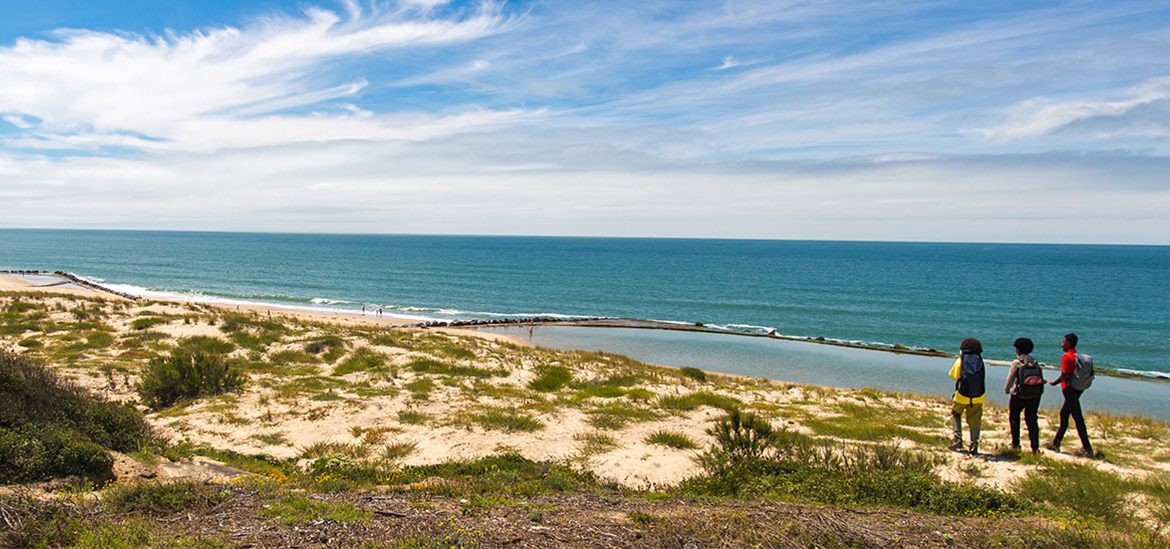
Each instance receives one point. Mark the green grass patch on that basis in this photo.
(362, 359)
(160, 498)
(206, 344)
(595, 443)
(1078, 488)
(672, 439)
(508, 421)
(551, 378)
(694, 401)
(437, 367)
(420, 388)
(147, 322)
(506, 475)
(615, 416)
(301, 510)
(413, 417)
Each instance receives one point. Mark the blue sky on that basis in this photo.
(992, 121)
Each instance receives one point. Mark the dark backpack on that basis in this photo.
(1082, 378)
(971, 383)
(1030, 380)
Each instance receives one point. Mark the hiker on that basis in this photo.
(1076, 375)
(968, 373)
(1025, 384)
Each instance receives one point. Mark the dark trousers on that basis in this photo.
(1031, 408)
(1072, 407)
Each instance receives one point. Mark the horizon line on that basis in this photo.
(585, 236)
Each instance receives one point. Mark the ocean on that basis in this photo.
(1116, 298)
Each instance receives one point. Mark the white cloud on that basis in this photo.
(194, 90)
(17, 120)
(1041, 116)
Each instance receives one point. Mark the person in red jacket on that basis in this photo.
(1072, 399)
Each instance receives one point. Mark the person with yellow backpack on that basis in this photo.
(969, 374)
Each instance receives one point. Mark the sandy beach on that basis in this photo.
(429, 396)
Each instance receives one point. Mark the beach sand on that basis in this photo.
(429, 396)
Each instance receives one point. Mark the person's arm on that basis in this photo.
(1067, 367)
(1007, 386)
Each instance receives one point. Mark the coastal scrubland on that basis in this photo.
(184, 424)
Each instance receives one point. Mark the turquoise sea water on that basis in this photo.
(1117, 298)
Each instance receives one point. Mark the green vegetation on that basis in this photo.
(695, 400)
(301, 510)
(185, 374)
(51, 428)
(551, 378)
(436, 367)
(362, 359)
(614, 417)
(509, 421)
(413, 417)
(595, 443)
(146, 322)
(694, 373)
(160, 498)
(750, 459)
(672, 439)
(206, 345)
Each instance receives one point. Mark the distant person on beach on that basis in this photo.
(379, 311)
(530, 327)
(1025, 384)
(968, 373)
(1076, 375)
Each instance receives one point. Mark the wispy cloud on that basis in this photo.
(223, 86)
(1142, 111)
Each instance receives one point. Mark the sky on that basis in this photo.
(847, 120)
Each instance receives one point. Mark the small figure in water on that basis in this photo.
(379, 311)
(363, 310)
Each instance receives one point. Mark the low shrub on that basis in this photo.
(751, 459)
(52, 428)
(694, 373)
(184, 374)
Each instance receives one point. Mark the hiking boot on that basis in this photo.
(974, 448)
(956, 446)
(1035, 451)
(1083, 453)
(1052, 446)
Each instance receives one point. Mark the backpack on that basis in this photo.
(1082, 378)
(971, 377)
(1030, 380)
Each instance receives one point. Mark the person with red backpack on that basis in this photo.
(1025, 384)
(968, 373)
(1076, 375)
